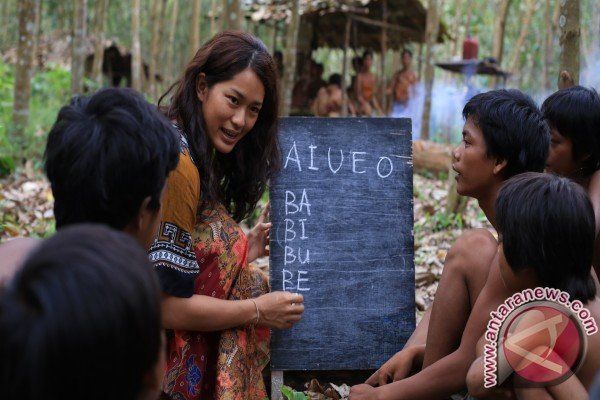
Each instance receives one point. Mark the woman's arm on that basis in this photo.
(278, 310)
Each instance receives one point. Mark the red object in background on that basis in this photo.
(470, 48)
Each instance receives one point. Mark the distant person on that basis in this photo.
(403, 85)
(329, 98)
(316, 83)
(366, 88)
(81, 320)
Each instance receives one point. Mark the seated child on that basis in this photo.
(81, 320)
(107, 159)
(547, 230)
(504, 135)
(574, 118)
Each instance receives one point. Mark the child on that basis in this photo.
(574, 118)
(81, 320)
(547, 228)
(504, 135)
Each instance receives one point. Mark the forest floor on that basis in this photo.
(26, 210)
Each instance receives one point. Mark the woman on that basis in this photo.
(225, 106)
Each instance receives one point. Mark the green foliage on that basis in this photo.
(50, 90)
(291, 394)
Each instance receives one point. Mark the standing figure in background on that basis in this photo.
(403, 87)
(366, 85)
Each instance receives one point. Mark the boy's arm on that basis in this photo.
(448, 375)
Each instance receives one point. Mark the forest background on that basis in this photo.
(525, 36)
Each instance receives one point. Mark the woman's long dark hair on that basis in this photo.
(239, 178)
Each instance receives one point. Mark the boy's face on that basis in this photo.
(475, 170)
(560, 157)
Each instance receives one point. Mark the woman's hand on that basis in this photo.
(398, 367)
(258, 237)
(279, 310)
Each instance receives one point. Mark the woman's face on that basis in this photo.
(231, 108)
(560, 157)
(475, 171)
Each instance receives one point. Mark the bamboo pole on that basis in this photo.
(345, 68)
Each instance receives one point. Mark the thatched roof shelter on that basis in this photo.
(326, 21)
(405, 22)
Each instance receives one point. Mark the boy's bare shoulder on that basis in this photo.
(12, 255)
(474, 244)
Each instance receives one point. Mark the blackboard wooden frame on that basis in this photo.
(344, 194)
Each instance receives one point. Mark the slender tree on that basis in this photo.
(570, 43)
(78, 46)
(155, 22)
(289, 58)
(530, 6)
(232, 14)
(171, 42)
(456, 27)
(37, 34)
(99, 27)
(195, 31)
(213, 17)
(431, 35)
(22, 91)
(547, 54)
(136, 51)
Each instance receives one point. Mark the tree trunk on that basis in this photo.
(155, 22)
(99, 24)
(289, 58)
(384, 40)
(431, 34)
(501, 13)
(502, 7)
(232, 15)
(570, 41)
(36, 36)
(77, 46)
(346, 68)
(213, 17)
(22, 86)
(514, 58)
(170, 74)
(136, 51)
(195, 39)
(456, 28)
(547, 54)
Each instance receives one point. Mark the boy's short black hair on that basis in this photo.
(575, 113)
(513, 128)
(81, 319)
(105, 154)
(335, 79)
(547, 223)
(406, 51)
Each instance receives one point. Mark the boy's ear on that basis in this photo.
(500, 165)
(201, 87)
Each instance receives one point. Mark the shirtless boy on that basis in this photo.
(504, 135)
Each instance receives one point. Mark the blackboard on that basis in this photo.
(342, 213)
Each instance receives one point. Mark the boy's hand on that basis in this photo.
(363, 392)
(398, 367)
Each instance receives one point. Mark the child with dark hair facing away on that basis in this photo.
(546, 225)
(81, 320)
(107, 159)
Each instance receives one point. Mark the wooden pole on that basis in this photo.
(345, 68)
(289, 59)
(384, 13)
